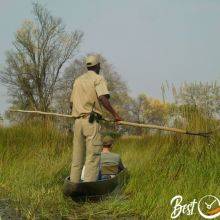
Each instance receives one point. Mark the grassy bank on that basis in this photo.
(34, 161)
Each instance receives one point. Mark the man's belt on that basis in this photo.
(83, 116)
(93, 116)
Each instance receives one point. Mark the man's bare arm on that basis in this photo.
(105, 102)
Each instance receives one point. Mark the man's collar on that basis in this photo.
(91, 71)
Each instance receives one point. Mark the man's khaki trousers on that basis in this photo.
(87, 147)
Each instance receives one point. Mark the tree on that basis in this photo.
(148, 110)
(157, 112)
(204, 96)
(33, 67)
(139, 107)
(65, 84)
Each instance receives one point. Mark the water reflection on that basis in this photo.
(7, 211)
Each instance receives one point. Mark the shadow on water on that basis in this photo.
(7, 211)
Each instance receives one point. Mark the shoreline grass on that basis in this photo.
(34, 161)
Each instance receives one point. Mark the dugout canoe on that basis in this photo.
(95, 190)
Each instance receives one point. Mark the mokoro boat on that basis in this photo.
(94, 190)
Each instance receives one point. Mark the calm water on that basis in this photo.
(7, 212)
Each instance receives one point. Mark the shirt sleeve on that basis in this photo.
(101, 87)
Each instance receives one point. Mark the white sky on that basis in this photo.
(148, 41)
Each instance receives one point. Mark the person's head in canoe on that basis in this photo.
(107, 143)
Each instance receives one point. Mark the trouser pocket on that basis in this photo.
(93, 150)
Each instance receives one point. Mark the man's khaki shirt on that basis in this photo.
(86, 90)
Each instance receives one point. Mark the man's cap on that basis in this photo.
(92, 60)
(107, 140)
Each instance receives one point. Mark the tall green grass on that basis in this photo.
(35, 159)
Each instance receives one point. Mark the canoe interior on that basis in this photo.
(96, 189)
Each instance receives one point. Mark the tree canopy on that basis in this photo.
(33, 66)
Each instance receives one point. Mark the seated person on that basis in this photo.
(111, 163)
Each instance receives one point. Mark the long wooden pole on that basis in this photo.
(42, 113)
(177, 130)
(152, 127)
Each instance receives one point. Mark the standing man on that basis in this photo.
(89, 91)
